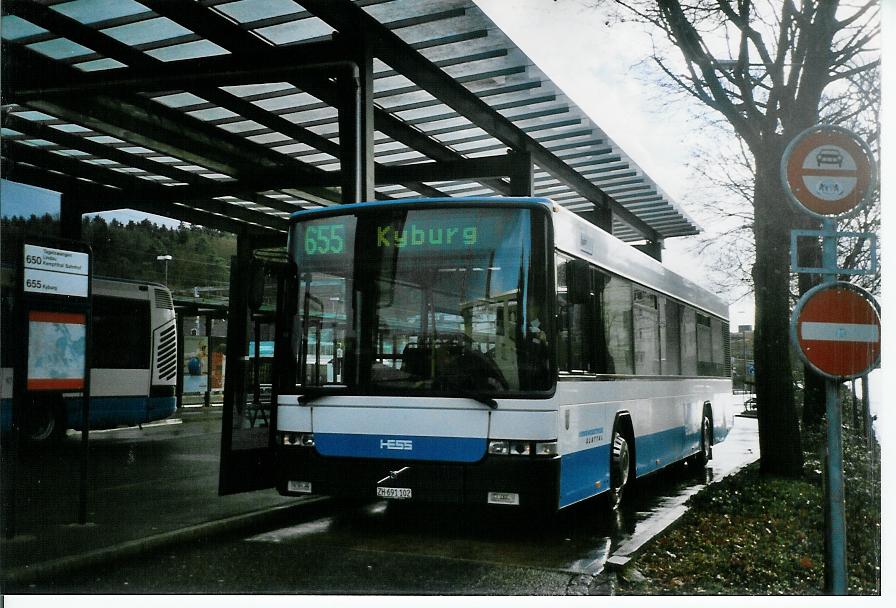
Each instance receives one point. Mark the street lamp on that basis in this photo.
(165, 258)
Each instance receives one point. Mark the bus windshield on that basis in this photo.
(441, 301)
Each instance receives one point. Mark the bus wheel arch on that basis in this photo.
(622, 457)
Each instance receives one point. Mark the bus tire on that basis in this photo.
(44, 421)
(620, 467)
(705, 453)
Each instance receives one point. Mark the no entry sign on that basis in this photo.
(836, 327)
(828, 171)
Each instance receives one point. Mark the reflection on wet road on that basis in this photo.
(578, 540)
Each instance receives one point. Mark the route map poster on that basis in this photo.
(56, 350)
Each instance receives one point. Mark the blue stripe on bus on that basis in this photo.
(106, 412)
(580, 471)
(448, 449)
(666, 446)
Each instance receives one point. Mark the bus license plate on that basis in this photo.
(395, 493)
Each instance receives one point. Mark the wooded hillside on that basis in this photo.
(200, 256)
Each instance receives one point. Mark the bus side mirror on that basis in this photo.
(578, 281)
(256, 284)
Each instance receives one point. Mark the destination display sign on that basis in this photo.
(430, 232)
(57, 272)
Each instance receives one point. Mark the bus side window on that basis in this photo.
(719, 342)
(616, 311)
(646, 333)
(670, 336)
(576, 315)
(564, 344)
(704, 346)
(689, 342)
(600, 356)
(121, 335)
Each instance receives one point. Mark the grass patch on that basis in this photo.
(749, 534)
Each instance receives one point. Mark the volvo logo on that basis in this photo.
(396, 444)
(393, 475)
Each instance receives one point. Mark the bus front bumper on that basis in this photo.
(529, 482)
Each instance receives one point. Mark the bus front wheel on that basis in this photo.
(620, 465)
(705, 453)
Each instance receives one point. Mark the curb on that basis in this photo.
(256, 519)
(621, 558)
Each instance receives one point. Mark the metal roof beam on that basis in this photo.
(152, 125)
(132, 187)
(212, 188)
(319, 59)
(350, 20)
(474, 168)
(224, 33)
(105, 198)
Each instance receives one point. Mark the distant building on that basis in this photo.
(743, 374)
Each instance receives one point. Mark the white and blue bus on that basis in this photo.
(133, 370)
(496, 350)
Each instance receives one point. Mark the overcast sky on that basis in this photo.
(600, 66)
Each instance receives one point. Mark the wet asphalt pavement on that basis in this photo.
(396, 548)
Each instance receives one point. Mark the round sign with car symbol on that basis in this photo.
(828, 171)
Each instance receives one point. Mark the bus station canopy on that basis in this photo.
(234, 114)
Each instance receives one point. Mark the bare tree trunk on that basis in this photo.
(779, 436)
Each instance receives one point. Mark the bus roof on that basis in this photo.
(576, 236)
(459, 200)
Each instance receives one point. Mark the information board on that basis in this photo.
(58, 272)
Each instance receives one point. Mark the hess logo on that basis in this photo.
(396, 444)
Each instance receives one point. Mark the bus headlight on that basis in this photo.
(517, 447)
(499, 446)
(301, 439)
(546, 448)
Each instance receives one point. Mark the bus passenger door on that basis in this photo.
(258, 285)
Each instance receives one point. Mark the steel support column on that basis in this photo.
(600, 216)
(652, 248)
(355, 109)
(179, 382)
(522, 176)
(207, 401)
(70, 212)
(237, 343)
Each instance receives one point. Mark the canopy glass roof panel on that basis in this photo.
(193, 137)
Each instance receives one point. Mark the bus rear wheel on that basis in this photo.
(620, 465)
(43, 421)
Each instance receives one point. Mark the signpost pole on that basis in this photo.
(56, 292)
(836, 537)
(85, 405)
(866, 406)
(828, 172)
(835, 497)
